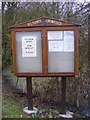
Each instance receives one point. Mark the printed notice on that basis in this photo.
(55, 46)
(55, 35)
(28, 46)
(68, 41)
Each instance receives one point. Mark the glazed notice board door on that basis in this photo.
(28, 52)
(45, 52)
(60, 51)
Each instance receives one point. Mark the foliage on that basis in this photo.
(8, 19)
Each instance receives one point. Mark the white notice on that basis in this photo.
(68, 41)
(55, 46)
(55, 35)
(28, 46)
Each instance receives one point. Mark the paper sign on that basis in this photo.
(68, 41)
(55, 35)
(55, 46)
(28, 46)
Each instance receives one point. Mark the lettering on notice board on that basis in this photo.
(68, 41)
(28, 46)
(55, 46)
(61, 41)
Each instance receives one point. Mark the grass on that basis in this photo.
(12, 109)
(13, 104)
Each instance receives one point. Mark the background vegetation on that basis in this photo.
(49, 88)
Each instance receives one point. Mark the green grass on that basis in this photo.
(13, 104)
(12, 109)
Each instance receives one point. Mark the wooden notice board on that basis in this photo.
(45, 47)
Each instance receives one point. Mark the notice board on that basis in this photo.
(45, 47)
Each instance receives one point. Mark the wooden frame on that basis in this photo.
(44, 30)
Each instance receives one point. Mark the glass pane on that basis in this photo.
(61, 51)
(29, 52)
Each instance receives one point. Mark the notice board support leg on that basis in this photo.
(63, 90)
(29, 93)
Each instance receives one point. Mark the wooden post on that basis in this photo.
(63, 90)
(29, 93)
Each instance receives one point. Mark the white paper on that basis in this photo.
(55, 46)
(68, 41)
(28, 46)
(55, 35)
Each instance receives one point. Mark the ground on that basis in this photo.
(14, 101)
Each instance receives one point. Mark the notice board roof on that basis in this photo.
(45, 21)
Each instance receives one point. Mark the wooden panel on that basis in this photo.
(45, 21)
(43, 51)
(27, 29)
(76, 51)
(59, 28)
(43, 75)
(14, 52)
(46, 53)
